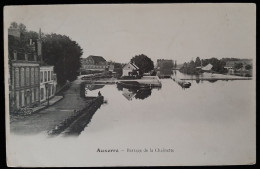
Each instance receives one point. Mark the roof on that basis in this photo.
(207, 67)
(132, 64)
(97, 59)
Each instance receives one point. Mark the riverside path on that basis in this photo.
(45, 120)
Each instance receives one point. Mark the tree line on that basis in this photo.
(218, 65)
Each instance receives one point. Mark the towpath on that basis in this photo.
(48, 118)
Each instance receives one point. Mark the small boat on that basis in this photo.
(184, 84)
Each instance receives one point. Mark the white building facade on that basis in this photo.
(129, 69)
(48, 83)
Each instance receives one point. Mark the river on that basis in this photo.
(209, 123)
(211, 119)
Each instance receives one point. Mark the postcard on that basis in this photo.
(130, 84)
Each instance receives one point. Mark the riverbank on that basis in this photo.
(153, 81)
(74, 124)
(212, 76)
(45, 120)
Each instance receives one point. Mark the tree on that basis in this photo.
(14, 25)
(197, 62)
(22, 28)
(238, 65)
(64, 54)
(144, 63)
(248, 67)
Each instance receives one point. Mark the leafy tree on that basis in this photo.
(197, 62)
(248, 67)
(238, 65)
(144, 63)
(14, 25)
(22, 28)
(64, 54)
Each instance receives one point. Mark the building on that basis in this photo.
(96, 63)
(130, 69)
(164, 67)
(27, 74)
(24, 68)
(48, 82)
(230, 65)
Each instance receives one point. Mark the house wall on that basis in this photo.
(47, 76)
(89, 64)
(126, 72)
(25, 84)
(128, 69)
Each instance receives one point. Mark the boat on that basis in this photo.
(184, 84)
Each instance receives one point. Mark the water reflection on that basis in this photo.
(136, 93)
(86, 88)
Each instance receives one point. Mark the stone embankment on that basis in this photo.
(76, 123)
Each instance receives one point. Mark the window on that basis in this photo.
(37, 94)
(42, 94)
(45, 76)
(27, 76)
(17, 100)
(52, 89)
(22, 97)
(17, 77)
(49, 75)
(36, 75)
(32, 95)
(32, 75)
(22, 76)
(41, 77)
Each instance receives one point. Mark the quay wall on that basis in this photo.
(76, 123)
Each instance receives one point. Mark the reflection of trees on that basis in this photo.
(143, 94)
(212, 81)
(136, 92)
(119, 87)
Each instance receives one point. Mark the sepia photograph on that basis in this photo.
(101, 85)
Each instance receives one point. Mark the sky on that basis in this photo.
(161, 31)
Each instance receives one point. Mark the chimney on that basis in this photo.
(15, 55)
(26, 56)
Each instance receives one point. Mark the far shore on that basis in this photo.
(214, 76)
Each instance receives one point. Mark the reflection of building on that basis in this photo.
(48, 82)
(24, 68)
(128, 94)
(93, 63)
(130, 69)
